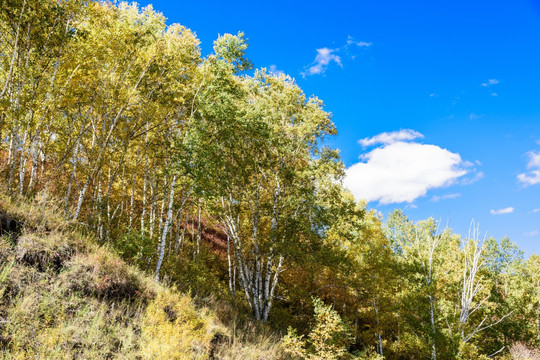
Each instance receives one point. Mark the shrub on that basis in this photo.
(469, 351)
(328, 339)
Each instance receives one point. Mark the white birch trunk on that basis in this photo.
(165, 229)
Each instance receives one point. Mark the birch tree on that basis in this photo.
(476, 297)
(426, 282)
(260, 134)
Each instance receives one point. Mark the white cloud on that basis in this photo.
(444, 197)
(391, 137)
(536, 210)
(507, 210)
(534, 160)
(351, 41)
(494, 94)
(433, 95)
(531, 233)
(490, 82)
(401, 172)
(326, 56)
(531, 177)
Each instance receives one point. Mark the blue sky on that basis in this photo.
(454, 84)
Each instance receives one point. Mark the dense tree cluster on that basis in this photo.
(215, 175)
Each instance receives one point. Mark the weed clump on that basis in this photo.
(44, 252)
(104, 276)
(41, 215)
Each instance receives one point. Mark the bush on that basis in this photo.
(469, 351)
(328, 339)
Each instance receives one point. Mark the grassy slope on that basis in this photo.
(64, 297)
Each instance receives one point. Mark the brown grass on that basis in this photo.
(520, 351)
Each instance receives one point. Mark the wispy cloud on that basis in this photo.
(391, 137)
(531, 233)
(273, 69)
(490, 82)
(444, 197)
(474, 116)
(399, 171)
(473, 177)
(507, 210)
(352, 41)
(326, 56)
(532, 176)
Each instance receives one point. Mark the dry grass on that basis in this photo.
(64, 297)
(104, 275)
(172, 328)
(96, 308)
(261, 346)
(520, 351)
(5, 249)
(45, 251)
(41, 215)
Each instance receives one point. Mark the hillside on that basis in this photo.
(64, 297)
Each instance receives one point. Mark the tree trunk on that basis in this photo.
(165, 229)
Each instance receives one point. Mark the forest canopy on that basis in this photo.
(214, 174)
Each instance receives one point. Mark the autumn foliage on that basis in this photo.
(213, 176)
